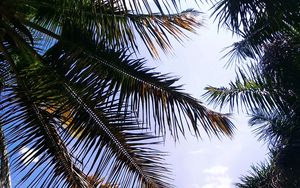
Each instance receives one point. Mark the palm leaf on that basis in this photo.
(112, 21)
(138, 87)
(249, 91)
(239, 15)
(272, 127)
(258, 23)
(118, 133)
(111, 131)
(39, 134)
(259, 176)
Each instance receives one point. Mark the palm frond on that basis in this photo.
(259, 176)
(271, 84)
(272, 173)
(148, 93)
(121, 141)
(74, 110)
(112, 21)
(272, 127)
(5, 174)
(125, 158)
(253, 43)
(258, 23)
(239, 15)
(32, 128)
(249, 91)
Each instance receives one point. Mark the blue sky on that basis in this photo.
(208, 163)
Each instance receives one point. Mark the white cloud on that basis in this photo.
(28, 154)
(217, 177)
(218, 182)
(216, 170)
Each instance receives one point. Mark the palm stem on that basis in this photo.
(5, 179)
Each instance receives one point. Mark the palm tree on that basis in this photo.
(76, 102)
(269, 91)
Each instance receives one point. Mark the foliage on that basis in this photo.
(257, 22)
(259, 176)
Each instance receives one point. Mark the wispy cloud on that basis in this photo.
(217, 177)
(218, 182)
(216, 170)
(27, 155)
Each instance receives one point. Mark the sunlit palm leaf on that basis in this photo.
(121, 141)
